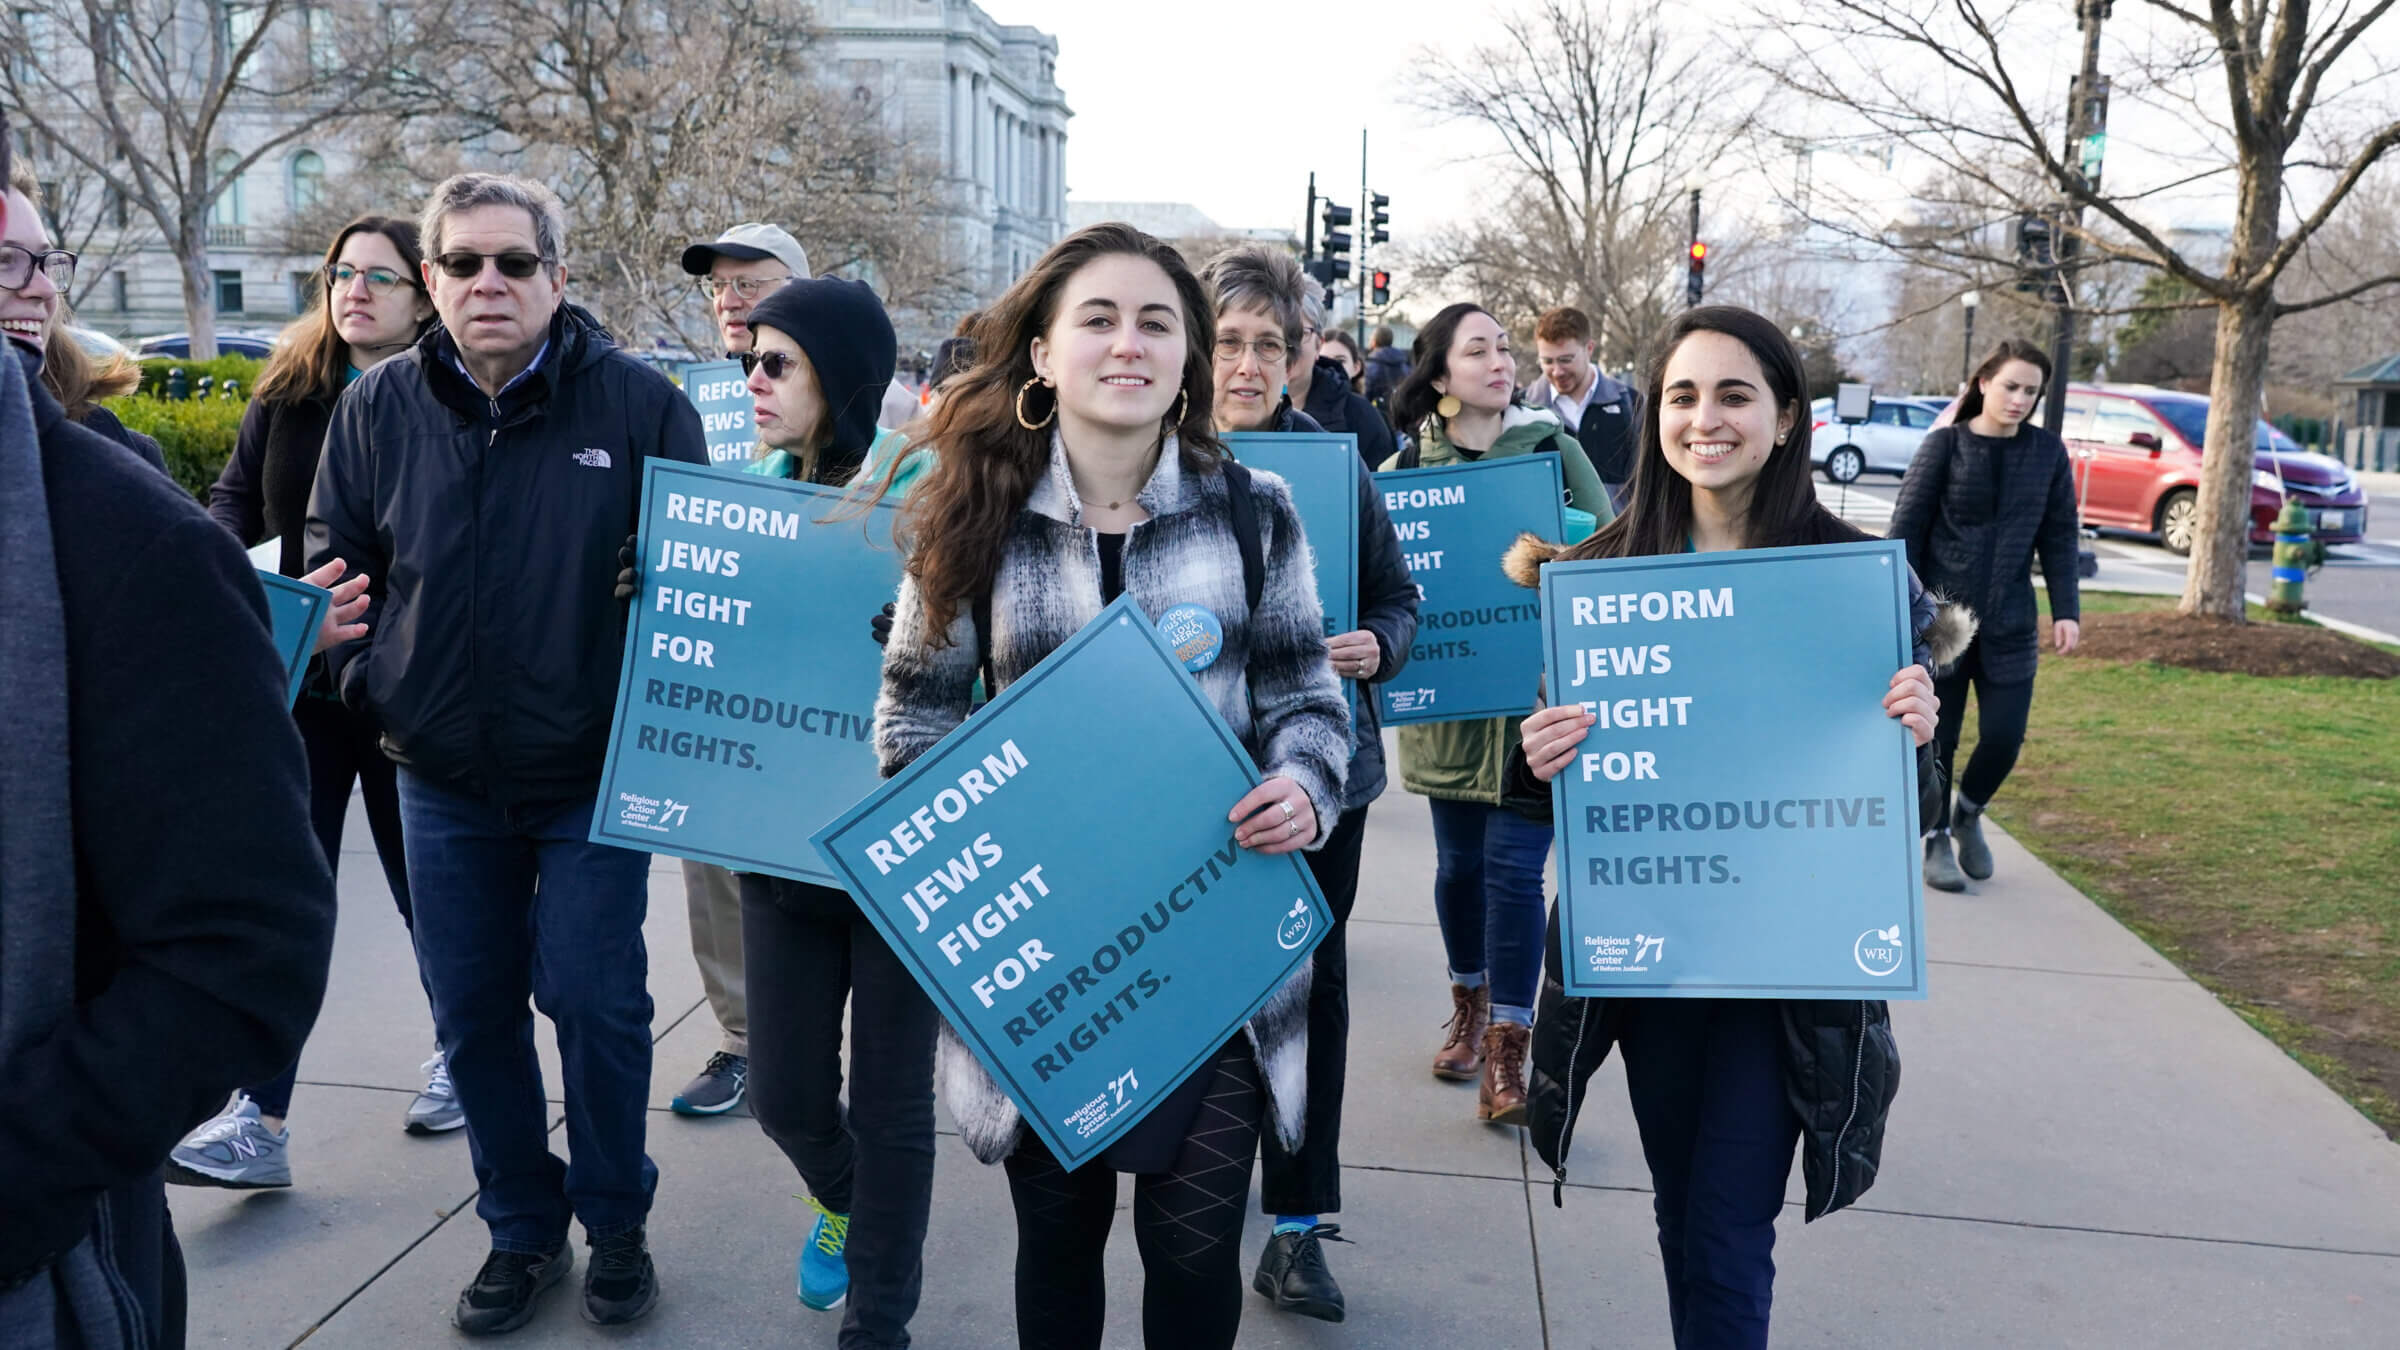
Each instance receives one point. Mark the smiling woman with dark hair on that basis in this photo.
(1077, 463)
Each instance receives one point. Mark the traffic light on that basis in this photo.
(1699, 266)
(1381, 285)
(1337, 241)
(1377, 218)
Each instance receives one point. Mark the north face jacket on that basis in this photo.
(491, 528)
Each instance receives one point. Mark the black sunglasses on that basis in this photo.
(515, 265)
(776, 364)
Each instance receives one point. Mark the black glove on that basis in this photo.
(881, 625)
(629, 577)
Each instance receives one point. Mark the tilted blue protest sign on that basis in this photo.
(1479, 640)
(746, 709)
(1742, 819)
(721, 391)
(1322, 469)
(1060, 875)
(295, 611)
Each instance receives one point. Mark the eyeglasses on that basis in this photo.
(515, 264)
(17, 266)
(1271, 351)
(381, 281)
(749, 288)
(776, 364)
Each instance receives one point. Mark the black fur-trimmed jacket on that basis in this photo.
(1841, 1064)
(1272, 683)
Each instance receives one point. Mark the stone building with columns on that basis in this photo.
(979, 97)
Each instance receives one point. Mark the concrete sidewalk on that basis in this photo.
(2088, 1150)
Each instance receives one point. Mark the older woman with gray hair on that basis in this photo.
(1263, 301)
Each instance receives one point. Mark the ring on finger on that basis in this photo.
(1291, 827)
(1288, 812)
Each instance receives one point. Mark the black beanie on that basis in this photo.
(850, 344)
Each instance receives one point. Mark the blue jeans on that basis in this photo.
(512, 902)
(1705, 1076)
(1487, 894)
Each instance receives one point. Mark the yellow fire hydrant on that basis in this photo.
(2296, 555)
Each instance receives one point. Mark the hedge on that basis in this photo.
(240, 368)
(196, 434)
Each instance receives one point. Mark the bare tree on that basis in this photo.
(143, 96)
(657, 130)
(2280, 105)
(1604, 121)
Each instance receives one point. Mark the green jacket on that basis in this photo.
(887, 442)
(1463, 761)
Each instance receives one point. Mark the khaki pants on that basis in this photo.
(714, 898)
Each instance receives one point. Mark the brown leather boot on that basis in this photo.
(1462, 1045)
(1502, 1099)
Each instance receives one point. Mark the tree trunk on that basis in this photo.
(2214, 585)
(199, 291)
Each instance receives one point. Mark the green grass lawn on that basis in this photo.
(2248, 828)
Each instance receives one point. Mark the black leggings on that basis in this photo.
(343, 749)
(1187, 1224)
(1309, 1180)
(2001, 712)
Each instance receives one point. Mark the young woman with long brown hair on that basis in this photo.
(1076, 464)
(371, 306)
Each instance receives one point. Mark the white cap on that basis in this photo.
(748, 243)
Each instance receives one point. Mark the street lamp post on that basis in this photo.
(1966, 353)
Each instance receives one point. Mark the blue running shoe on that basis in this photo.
(824, 1275)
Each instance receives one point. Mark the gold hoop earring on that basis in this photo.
(1449, 407)
(1183, 404)
(1026, 422)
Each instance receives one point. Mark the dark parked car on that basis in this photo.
(2138, 450)
(228, 344)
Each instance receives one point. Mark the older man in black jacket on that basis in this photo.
(165, 916)
(487, 478)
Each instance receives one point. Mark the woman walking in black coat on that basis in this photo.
(1982, 497)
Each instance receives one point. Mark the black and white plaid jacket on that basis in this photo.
(1272, 683)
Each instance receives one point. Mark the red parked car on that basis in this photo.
(2137, 467)
(2137, 453)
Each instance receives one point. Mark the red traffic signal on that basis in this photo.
(1381, 283)
(1699, 254)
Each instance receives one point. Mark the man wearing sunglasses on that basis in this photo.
(738, 269)
(486, 478)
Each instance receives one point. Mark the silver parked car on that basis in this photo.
(1884, 443)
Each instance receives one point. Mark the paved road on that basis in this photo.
(2359, 584)
(2089, 1150)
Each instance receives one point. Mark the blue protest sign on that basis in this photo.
(721, 391)
(1060, 875)
(1322, 470)
(747, 705)
(1479, 638)
(1741, 821)
(295, 611)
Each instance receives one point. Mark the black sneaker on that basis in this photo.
(1974, 855)
(1941, 867)
(1292, 1273)
(621, 1284)
(717, 1090)
(503, 1294)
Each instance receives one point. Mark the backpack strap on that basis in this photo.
(1244, 512)
(1410, 455)
(983, 641)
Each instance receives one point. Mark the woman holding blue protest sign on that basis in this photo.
(1722, 1089)
(1261, 302)
(1077, 463)
(1457, 403)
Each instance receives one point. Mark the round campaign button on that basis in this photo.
(1195, 634)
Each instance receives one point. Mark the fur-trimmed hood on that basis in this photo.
(1943, 636)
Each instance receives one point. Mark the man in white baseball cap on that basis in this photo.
(738, 268)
